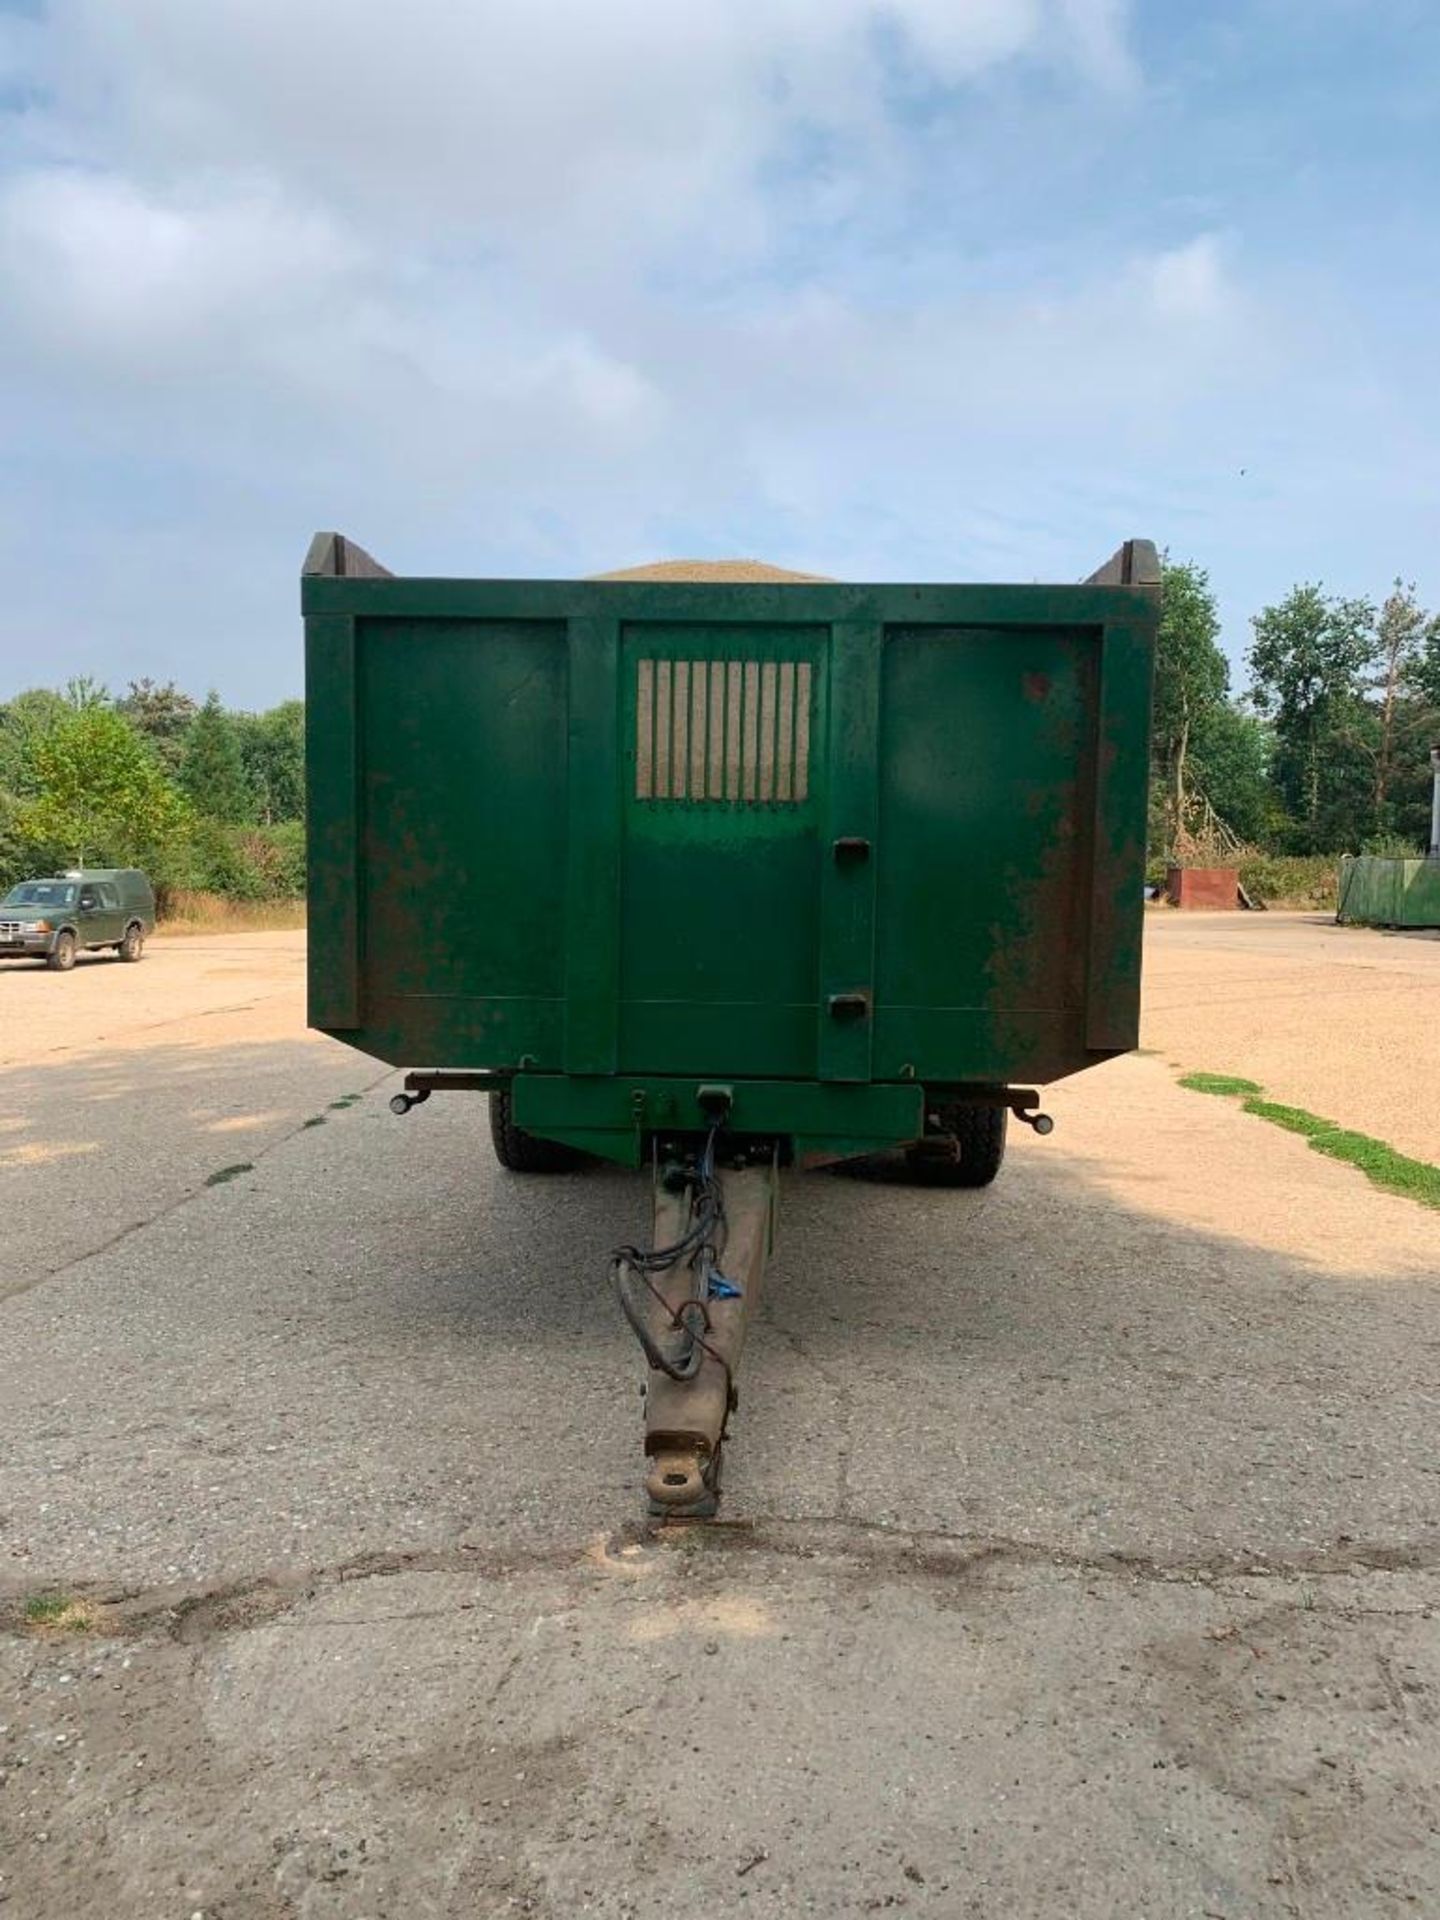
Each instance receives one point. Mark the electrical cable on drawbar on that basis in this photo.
(704, 1242)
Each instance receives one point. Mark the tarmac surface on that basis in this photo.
(1081, 1534)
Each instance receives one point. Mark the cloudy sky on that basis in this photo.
(930, 289)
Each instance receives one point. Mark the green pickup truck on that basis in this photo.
(53, 918)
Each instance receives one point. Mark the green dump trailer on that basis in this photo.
(717, 876)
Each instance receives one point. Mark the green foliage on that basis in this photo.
(1326, 753)
(1309, 655)
(22, 721)
(285, 858)
(154, 781)
(1381, 1164)
(1425, 672)
(1292, 1119)
(222, 1175)
(249, 863)
(59, 1612)
(1230, 756)
(272, 749)
(212, 770)
(1191, 675)
(1222, 1083)
(163, 715)
(1305, 881)
(1391, 846)
(84, 692)
(1405, 693)
(98, 796)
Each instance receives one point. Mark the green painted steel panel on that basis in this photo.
(716, 720)
(332, 746)
(1377, 892)
(592, 863)
(612, 1114)
(846, 1039)
(986, 757)
(463, 823)
(821, 836)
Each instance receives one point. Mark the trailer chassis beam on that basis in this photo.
(686, 1420)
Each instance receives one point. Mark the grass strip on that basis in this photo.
(222, 1174)
(1219, 1083)
(1293, 1119)
(1381, 1165)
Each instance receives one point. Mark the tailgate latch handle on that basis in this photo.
(851, 846)
(848, 1006)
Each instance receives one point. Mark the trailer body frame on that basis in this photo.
(831, 846)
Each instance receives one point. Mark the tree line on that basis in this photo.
(1326, 751)
(200, 796)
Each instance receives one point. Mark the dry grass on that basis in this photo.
(215, 913)
(61, 1613)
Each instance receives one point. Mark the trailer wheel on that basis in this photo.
(978, 1134)
(524, 1152)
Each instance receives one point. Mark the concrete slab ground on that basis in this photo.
(1081, 1538)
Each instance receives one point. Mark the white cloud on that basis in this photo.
(93, 257)
(459, 207)
(610, 125)
(530, 288)
(1189, 282)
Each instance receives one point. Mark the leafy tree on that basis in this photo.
(85, 691)
(1191, 679)
(1425, 675)
(14, 853)
(1308, 661)
(272, 746)
(1230, 757)
(22, 721)
(99, 795)
(163, 715)
(250, 863)
(1403, 635)
(212, 772)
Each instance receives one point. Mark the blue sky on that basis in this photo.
(941, 289)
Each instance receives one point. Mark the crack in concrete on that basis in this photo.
(199, 1612)
(34, 1280)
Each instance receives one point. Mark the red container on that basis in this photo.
(1208, 888)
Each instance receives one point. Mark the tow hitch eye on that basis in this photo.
(1024, 1103)
(401, 1103)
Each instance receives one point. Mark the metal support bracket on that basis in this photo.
(1023, 1102)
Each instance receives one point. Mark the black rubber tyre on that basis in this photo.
(61, 957)
(525, 1152)
(979, 1137)
(133, 945)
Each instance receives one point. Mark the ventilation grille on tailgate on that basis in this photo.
(723, 730)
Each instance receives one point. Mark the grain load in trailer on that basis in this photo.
(716, 875)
